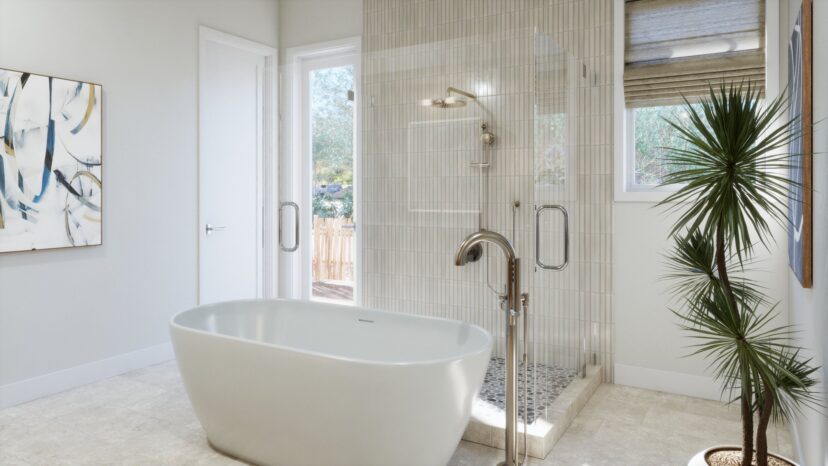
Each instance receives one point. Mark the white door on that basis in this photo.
(232, 107)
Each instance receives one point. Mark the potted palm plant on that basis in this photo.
(732, 185)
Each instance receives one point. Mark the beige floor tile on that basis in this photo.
(11, 460)
(145, 418)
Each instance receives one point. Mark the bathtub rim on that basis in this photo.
(487, 347)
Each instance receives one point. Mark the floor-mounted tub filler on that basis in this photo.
(291, 383)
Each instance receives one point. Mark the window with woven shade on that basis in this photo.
(679, 47)
(668, 50)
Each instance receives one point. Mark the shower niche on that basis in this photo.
(474, 117)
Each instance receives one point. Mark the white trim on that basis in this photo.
(772, 10)
(213, 35)
(618, 114)
(698, 386)
(621, 138)
(267, 270)
(271, 177)
(48, 384)
(296, 170)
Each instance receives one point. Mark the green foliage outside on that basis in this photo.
(551, 154)
(327, 205)
(332, 140)
(654, 137)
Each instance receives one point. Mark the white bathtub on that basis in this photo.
(299, 383)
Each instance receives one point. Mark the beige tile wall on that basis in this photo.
(542, 70)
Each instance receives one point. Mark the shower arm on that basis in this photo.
(455, 90)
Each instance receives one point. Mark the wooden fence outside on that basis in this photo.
(333, 249)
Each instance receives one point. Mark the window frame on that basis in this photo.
(624, 129)
(659, 192)
(623, 124)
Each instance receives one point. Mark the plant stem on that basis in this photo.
(721, 266)
(746, 408)
(747, 425)
(762, 428)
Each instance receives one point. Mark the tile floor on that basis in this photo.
(144, 418)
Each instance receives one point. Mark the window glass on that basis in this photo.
(653, 135)
(332, 146)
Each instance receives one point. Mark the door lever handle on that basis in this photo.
(210, 229)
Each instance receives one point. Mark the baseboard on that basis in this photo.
(666, 381)
(56, 382)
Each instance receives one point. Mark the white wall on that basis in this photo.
(809, 307)
(305, 22)
(650, 346)
(62, 309)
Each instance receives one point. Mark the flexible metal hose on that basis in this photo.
(525, 302)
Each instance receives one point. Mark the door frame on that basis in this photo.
(267, 178)
(297, 170)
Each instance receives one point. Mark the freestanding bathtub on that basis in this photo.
(301, 383)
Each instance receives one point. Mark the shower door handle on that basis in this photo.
(296, 232)
(565, 214)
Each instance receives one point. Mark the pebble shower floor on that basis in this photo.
(545, 384)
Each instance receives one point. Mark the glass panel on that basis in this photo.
(571, 309)
(652, 134)
(332, 148)
(557, 333)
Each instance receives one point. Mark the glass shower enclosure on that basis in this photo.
(475, 115)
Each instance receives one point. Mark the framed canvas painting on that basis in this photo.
(800, 206)
(51, 180)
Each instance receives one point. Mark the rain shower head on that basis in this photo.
(449, 101)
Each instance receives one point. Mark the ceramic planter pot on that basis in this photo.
(699, 458)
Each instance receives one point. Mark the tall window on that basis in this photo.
(675, 50)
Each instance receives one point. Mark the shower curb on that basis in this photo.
(545, 431)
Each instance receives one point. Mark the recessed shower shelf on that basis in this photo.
(559, 396)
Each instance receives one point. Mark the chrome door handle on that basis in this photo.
(296, 233)
(565, 214)
(210, 229)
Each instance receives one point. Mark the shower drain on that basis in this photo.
(545, 384)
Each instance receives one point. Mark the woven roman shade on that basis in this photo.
(679, 47)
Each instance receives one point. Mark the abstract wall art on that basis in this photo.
(800, 205)
(51, 184)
